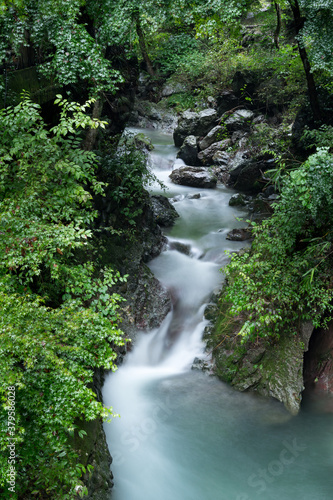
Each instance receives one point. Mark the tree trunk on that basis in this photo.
(92, 133)
(142, 43)
(313, 95)
(278, 25)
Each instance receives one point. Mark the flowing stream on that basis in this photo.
(182, 434)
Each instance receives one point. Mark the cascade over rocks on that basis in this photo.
(194, 176)
(193, 123)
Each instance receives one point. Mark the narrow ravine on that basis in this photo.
(184, 435)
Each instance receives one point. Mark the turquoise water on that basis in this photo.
(182, 434)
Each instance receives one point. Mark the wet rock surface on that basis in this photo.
(189, 150)
(195, 177)
(164, 212)
(318, 362)
(239, 120)
(239, 235)
(262, 366)
(193, 123)
(206, 157)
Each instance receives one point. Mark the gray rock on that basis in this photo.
(153, 116)
(194, 177)
(258, 119)
(226, 101)
(180, 247)
(238, 235)
(237, 200)
(237, 136)
(164, 213)
(221, 158)
(236, 164)
(189, 150)
(201, 364)
(239, 120)
(206, 156)
(173, 88)
(192, 123)
(214, 135)
(247, 175)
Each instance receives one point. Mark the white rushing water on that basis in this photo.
(183, 435)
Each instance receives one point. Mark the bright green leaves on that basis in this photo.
(286, 277)
(49, 354)
(67, 49)
(46, 182)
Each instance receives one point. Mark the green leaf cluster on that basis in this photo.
(50, 345)
(285, 278)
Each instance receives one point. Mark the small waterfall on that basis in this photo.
(185, 435)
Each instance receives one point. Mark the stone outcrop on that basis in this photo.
(151, 115)
(214, 135)
(206, 157)
(318, 363)
(189, 150)
(199, 177)
(239, 120)
(260, 367)
(192, 123)
(246, 174)
(164, 212)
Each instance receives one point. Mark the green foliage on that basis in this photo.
(319, 138)
(46, 182)
(49, 354)
(173, 53)
(65, 47)
(285, 279)
(316, 34)
(127, 172)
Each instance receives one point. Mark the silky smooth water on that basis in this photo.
(182, 434)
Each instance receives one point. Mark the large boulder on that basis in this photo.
(199, 177)
(247, 175)
(192, 123)
(189, 150)
(164, 212)
(172, 88)
(270, 369)
(239, 120)
(206, 156)
(226, 101)
(215, 135)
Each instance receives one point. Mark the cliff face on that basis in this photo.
(270, 369)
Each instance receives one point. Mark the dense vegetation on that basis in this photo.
(59, 316)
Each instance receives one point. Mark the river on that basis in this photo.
(182, 434)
